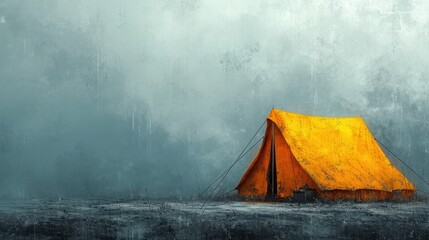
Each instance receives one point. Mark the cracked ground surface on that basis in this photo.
(164, 219)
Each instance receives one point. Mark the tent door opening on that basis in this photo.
(272, 171)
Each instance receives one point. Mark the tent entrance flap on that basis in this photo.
(272, 171)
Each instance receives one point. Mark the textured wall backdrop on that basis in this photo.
(132, 98)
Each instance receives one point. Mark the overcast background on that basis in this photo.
(157, 98)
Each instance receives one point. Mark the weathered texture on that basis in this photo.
(337, 155)
(107, 219)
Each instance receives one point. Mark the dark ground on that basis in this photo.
(104, 219)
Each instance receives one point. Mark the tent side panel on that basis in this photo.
(366, 195)
(254, 181)
(290, 174)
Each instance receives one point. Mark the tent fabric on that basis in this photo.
(332, 155)
(290, 174)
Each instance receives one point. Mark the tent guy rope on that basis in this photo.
(225, 173)
(384, 146)
(239, 156)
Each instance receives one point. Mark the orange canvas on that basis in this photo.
(338, 157)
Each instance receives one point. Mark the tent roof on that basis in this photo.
(338, 153)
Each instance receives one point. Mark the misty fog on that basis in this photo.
(157, 98)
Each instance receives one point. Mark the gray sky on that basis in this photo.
(123, 98)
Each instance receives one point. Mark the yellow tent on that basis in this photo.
(338, 157)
